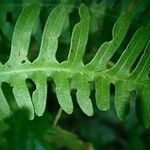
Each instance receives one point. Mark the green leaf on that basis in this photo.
(51, 34)
(143, 106)
(22, 34)
(102, 87)
(132, 51)
(122, 93)
(22, 95)
(107, 49)
(79, 37)
(142, 69)
(83, 94)
(40, 94)
(4, 107)
(72, 72)
(66, 139)
(63, 92)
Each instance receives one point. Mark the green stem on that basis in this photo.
(132, 5)
(57, 117)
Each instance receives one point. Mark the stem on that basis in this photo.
(132, 5)
(57, 117)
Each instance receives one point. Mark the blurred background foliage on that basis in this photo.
(76, 131)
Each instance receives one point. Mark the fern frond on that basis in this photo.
(73, 71)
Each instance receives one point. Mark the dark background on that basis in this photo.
(76, 131)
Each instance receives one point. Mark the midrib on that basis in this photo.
(45, 68)
(48, 69)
